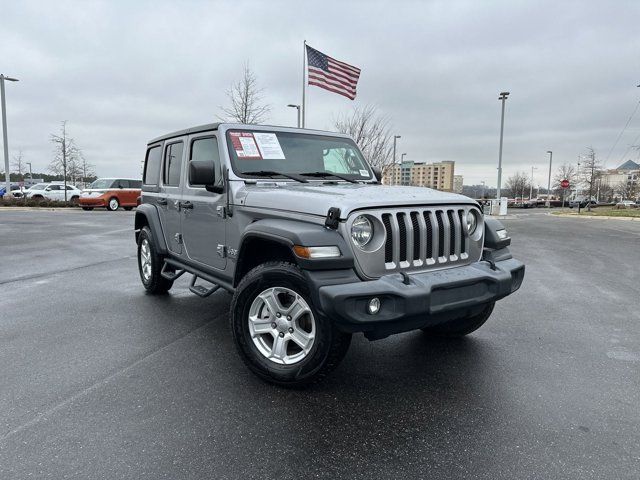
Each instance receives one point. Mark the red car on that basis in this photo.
(111, 193)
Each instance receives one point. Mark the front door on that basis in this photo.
(171, 194)
(203, 222)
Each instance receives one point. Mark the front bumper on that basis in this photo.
(429, 298)
(92, 201)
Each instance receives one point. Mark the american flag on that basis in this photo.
(331, 74)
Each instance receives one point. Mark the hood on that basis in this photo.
(316, 198)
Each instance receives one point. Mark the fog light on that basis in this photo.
(374, 306)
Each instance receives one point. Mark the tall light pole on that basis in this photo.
(531, 184)
(30, 174)
(401, 169)
(549, 181)
(297, 107)
(482, 182)
(7, 174)
(395, 138)
(503, 96)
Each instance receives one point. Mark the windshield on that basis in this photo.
(102, 183)
(286, 152)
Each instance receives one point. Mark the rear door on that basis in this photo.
(203, 221)
(171, 193)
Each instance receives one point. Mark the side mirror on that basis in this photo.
(203, 173)
(48, 189)
(377, 171)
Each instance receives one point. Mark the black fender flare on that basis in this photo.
(147, 214)
(296, 232)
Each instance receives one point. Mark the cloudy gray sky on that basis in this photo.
(123, 72)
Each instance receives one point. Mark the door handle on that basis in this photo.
(162, 201)
(186, 205)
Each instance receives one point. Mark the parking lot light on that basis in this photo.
(7, 173)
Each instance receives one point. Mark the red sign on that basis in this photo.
(564, 183)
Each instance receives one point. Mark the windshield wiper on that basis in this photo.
(271, 174)
(328, 174)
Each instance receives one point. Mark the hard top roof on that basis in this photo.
(214, 126)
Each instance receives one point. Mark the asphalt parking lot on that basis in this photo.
(100, 380)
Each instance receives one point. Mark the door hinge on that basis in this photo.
(222, 250)
(178, 237)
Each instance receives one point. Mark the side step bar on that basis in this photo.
(199, 290)
(168, 274)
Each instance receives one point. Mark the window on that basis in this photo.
(172, 164)
(121, 183)
(152, 166)
(54, 187)
(135, 183)
(206, 150)
(295, 153)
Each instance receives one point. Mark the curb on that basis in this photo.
(37, 209)
(597, 217)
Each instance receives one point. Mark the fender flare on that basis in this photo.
(295, 232)
(147, 214)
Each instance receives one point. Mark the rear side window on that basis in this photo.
(122, 183)
(152, 166)
(135, 184)
(206, 149)
(172, 164)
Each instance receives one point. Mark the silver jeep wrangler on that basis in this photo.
(297, 226)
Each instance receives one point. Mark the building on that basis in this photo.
(458, 181)
(438, 176)
(623, 181)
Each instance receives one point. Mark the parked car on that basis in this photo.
(298, 227)
(582, 202)
(111, 193)
(54, 191)
(626, 204)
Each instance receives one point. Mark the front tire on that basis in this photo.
(277, 330)
(113, 204)
(150, 264)
(460, 327)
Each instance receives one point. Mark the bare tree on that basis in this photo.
(627, 190)
(590, 173)
(564, 172)
(372, 132)
(246, 100)
(66, 156)
(517, 184)
(18, 164)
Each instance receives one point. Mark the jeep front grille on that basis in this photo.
(422, 239)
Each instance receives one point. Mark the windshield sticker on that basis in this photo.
(245, 145)
(364, 173)
(269, 146)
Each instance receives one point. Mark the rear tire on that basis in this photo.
(150, 264)
(113, 204)
(294, 346)
(460, 327)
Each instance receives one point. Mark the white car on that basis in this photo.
(53, 191)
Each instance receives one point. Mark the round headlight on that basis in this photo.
(361, 231)
(472, 222)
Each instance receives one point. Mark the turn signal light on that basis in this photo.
(316, 252)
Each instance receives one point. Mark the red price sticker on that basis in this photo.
(245, 145)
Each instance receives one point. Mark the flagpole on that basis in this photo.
(304, 83)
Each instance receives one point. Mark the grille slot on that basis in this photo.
(416, 235)
(440, 233)
(403, 236)
(388, 247)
